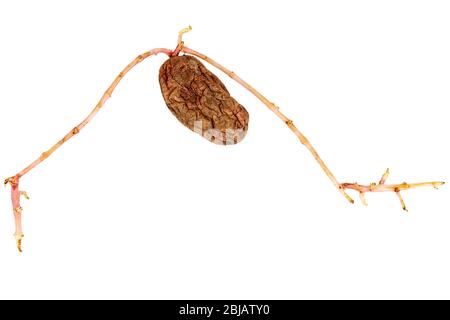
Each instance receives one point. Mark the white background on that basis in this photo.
(137, 206)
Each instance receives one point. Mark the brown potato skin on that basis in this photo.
(193, 93)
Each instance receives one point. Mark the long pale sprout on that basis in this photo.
(342, 187)
(14, 180)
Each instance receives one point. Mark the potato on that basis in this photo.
(201, 102)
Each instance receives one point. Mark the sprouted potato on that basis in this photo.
(202, 103)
